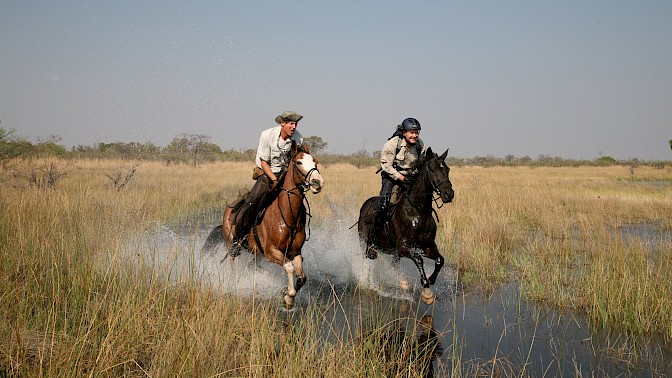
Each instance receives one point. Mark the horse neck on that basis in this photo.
(291, 199)
(420, 193)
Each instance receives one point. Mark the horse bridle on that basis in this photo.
(304, 187)
(436, 189)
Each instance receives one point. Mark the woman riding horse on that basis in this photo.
(411, 225)
(397, 164)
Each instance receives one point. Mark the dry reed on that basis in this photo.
(72, 304)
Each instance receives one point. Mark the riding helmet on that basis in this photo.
(410, 124)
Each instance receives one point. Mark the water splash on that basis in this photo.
(332, 254)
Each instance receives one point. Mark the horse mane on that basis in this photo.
(427, 155)
(297, 148)
(422, 161)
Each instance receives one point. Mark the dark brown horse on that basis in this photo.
(410, 226)
(280, 233)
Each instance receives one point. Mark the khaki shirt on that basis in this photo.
(405, 159)
(274, 150)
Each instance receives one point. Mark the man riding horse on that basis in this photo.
(397, 166)
(273, 155)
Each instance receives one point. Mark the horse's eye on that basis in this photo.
(299, 162)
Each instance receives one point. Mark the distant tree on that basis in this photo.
(50, 147)
(249, 155)
(360, 158)
(5, 135)
(192, 148)
(605, 160)
(525, 160)
(11, 147)
(670, 142)
(549, 161)
(177, 151)
(315, 143)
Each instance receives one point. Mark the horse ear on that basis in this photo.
(445, 154)
(305, 148)
(428, 152)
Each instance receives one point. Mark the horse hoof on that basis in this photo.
(427, 296)
(289, 302)
(371, 253)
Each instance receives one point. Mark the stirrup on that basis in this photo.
(235, 249)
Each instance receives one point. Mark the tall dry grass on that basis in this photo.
(569, 235)
(72, 304)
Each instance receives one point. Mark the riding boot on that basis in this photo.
(378, 223)
(243, 226)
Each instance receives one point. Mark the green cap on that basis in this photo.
(288, 116)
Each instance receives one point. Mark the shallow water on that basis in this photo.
(497, 333)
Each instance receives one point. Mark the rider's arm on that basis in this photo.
(387, 159)
(264, 153)
(267, 170)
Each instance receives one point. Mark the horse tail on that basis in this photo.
(215, 238)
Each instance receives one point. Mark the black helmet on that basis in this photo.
(410, 124)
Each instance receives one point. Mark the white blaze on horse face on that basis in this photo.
(314, 179)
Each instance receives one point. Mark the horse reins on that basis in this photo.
(304, 187)
(438, 191)
(435, 189)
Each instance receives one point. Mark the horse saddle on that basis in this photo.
(236, 203)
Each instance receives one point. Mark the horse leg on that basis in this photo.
(432, 252)
(273, 254)
(427, 295)
(396, 264)
(291, 290)
(298, 271)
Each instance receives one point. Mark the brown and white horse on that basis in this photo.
(281, 232)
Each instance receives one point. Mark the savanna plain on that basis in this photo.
(73, 301)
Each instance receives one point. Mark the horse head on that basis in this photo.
(308, 176)
(438, 173)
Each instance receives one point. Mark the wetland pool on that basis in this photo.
(497, 333)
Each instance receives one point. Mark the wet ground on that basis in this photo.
(497, 333)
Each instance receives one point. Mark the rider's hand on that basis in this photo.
(402, 178)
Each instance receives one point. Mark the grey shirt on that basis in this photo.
(405, 158)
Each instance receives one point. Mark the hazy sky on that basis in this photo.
(575, 79)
